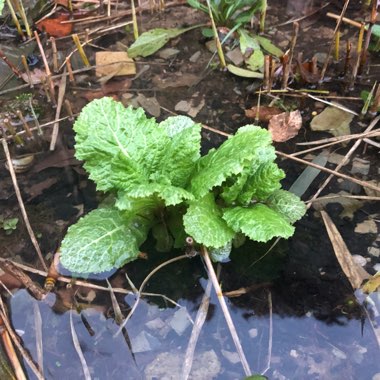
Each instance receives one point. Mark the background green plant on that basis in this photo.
(230, 13)
(159, 182)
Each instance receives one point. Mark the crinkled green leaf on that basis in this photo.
(238, 152)
(259, 222)
(152, 40)
(102, 240)
(203, 222)
(176, 124)
(182, 151)
(137, 206)
(234, 185)
(264, 181)
(287, 204)
(107, 132)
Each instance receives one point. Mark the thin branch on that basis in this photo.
(78, 349)
(198, 324)
(21, 204)
(139, 294)
(226, 313)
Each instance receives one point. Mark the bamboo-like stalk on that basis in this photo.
(348, 58)
(15, 19)
(80, 50)
(14, 69)
(26, 67)
(376, 101)
(21, 204)
(18, 140)
(339, 22)
(24, 124)
(134, 21)
(337, 45)
(55, 54)
(22, 13)
(263, 15)
(373, 18)
(216, 37)
(288, 64)
(359, 48)
(70, 70)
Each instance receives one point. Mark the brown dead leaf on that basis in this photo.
(37, 76)
(354, 273)
(285, 125)
(114, 63)
(265, 113)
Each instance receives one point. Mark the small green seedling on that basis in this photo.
(8, 225)
(159, 182)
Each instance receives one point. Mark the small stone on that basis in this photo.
(235, 57)
(144, 342)
(360, 166)
(232, 357)
(336, 158)
(366, 227)
(182, 106)
(339, 354)
(374, 251)
(168, 53)
(194, 58)
(350, 187)
(293, 353)
(155, 324)
(180, 321)
(360, 260)
(253, 333)
(333, 120)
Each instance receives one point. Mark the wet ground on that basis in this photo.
(295, 312)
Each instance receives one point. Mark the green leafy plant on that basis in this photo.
(230, 12)
(235, 15)
(8, 225)
(159, 182)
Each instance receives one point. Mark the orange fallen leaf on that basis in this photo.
(285, 125)
(264, 113)
(53, 25)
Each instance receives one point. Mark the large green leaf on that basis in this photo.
(287, 204)
(238, 152)
(109, 136)
(269, 47)
(171, 195)
(259, 222)
(203, 222)
(102, 240)
(181, 152)
(263, 182)
(152, 40)
(247, 41)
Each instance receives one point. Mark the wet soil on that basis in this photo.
(297, 311)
